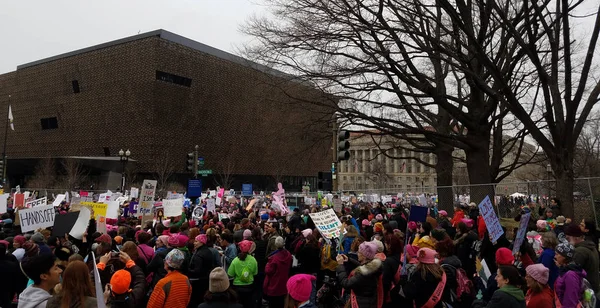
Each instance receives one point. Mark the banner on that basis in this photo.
(486, 209)
(98, 208)
(37, 202)
(327, 223)
(148, 190)
(38, 217)
(521, 232)
(172, 207)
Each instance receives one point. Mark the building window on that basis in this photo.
(49, 123)
(171, 78)
(75, 85)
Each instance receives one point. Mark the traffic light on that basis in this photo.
(189, 161)
(343, 145)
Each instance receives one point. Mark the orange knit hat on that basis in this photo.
(120, 282)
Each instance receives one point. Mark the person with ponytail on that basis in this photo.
(77, 290)
(243, 269)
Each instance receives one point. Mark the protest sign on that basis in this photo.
(423, 200)
(223, 216)
(246, 189)
(18, 200)
(220, 195)
(133, 207)
(148, 190)
(521, 232)
(104, 197)
(98, 208)
(81, 223)
(210, 205)
(60, 198)
(41, 216)
(145, 211)
(112, 210)
(327, 223)
(63, 223)
(337, 205)
(98, 285)
(279, 199)
(418, 213)
(172, 207)
(37, 202)
(194, 188)
(4, 203)
(251, 204)
(134, 192)
(486, 209)
(101, 224)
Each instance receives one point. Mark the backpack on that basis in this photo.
(464, 286)
(246, 276)
(588, 298)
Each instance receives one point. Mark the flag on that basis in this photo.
(10, 118)
(403, 166)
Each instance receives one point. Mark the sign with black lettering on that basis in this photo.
(37, 202)
(41, 216)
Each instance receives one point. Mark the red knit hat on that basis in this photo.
(504, 256)
(299, 286)
(104, 238)
(120, 281)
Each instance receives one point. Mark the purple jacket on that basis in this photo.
(568, 286)
(146, 252)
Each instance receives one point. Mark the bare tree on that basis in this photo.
(399, 68)
(44, 175)
(378, 175)
(587, 157)
(74, 173)
(225, 175)
(164, 168)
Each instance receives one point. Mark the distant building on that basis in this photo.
(159, 94)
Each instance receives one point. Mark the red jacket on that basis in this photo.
(277, 273)
(458, 215)
(481, 227)
(543, 299)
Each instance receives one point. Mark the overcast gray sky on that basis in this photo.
(36, 29)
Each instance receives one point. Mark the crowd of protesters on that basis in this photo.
(260, 258)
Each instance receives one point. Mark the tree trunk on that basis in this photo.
(443, 168)
(564, 193)
(478, 167)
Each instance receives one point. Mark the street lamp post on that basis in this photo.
(124, 155)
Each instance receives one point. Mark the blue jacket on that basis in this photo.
(230, 254)
(547, 259)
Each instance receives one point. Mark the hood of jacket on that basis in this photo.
(587, 244)
(572, 267)
(370, 268)
(513, 291)
(280, 256)
(33, 297)
(453, 261)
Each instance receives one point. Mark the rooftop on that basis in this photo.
(171, 37)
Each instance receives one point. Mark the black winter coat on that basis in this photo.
(418, 289)
(202, 263)
(363, 282)
(137, 297)
(157, 266)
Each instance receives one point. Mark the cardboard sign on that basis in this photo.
(4, 203)
(172, 207)
(521, 232)
(327, 222)
(251, 204)
(486, 209)
(98, 208)
(38, 217)
(18, 200)
(37, 202)
(101, 224)
(134, 192)
(148, 190)
(60, 198)
(112, 210)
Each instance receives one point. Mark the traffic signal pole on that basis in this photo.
(196, 162)
(334, 153)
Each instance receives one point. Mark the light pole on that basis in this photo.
(124, 155)
(548, 172)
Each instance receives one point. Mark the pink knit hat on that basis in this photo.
(366, 223)
(411, 250)
(299, 286)
(245, 246)
(412, 225)
(368, 249)
(468, 222)
(164, 239)
(201, 238)
(538, 272)
(426, 256)
(443, 213)
(379, 217)
(306, 232)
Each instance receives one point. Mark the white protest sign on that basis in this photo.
(486, 209)
(58, 200)
(134, 192)
(422, 200)
(81, 223)
(148, 190)
(27, 194)
(36, 202)
(521, 232)
(210, 205)
(38, 217)
(172, 207)
(101, 224)
(67, 196)
(327, 223)
(337, 205)
(112, 210)
(4, 203)
(98, 285)
(223, 216)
